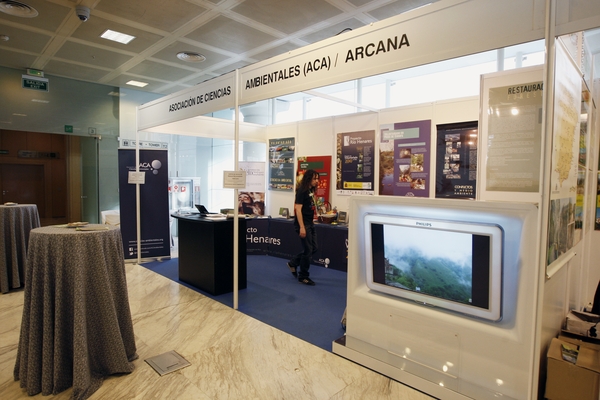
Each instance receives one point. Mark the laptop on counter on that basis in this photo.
(203, 211)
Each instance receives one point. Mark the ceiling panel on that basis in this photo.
(91, 55)
(398, 7)
(166, 15)
(229, 33)
(51, 15)
(159, 71)
(74, 71)
(287, 16)
(24, 40)
(13, 59)
(169, 54)
(275, 51)
(333, 30)
(91, 30)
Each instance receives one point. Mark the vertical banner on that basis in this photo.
(251, 200)
(154, 204)
(456, 161)
(404, 159)
(565, 156)
(355, 163)
(321, 164)
(281, 159)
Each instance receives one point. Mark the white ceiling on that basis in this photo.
(229, 33)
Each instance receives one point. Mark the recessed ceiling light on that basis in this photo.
(19, 115)
(190, 56)
(117, 36)
(4, 38)
(17, 9)
(136, 83)
(117, 94)
(40, 101)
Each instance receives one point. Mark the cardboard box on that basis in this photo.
(565, 380)
(593, 344)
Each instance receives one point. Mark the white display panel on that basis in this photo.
(430, 345)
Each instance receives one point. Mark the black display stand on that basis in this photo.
(206, 253)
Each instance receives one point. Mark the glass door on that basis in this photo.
(89, 179)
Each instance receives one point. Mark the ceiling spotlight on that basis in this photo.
(190, 56)
(4, 38)
(17, 9)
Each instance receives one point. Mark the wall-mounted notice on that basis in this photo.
(281, 161)
(456, 161)
(355, 163)
(404, 159)
(514, 138)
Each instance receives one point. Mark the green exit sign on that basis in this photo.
(68, 128)
(34, 83)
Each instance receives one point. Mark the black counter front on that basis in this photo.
(276, 237)
(206, 253)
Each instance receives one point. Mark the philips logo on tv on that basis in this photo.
(423, 224)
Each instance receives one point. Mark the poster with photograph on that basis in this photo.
(281, 161)
(251, 200)
(321, 164)
(355, 163)
(404, 159)
(565, 171)
(456, 161)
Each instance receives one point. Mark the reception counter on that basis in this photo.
(206, 253)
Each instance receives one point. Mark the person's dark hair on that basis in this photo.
(304, 184)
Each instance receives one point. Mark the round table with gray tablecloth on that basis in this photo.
(16, 221)
(76, 326)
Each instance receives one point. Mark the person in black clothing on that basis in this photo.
(304, 211)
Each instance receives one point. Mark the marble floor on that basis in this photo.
(232, 355)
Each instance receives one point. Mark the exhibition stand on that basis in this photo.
(432, 346)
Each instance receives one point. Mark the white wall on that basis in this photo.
(317, 138)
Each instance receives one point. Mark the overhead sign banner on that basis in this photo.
(154, 204)
(214, 95)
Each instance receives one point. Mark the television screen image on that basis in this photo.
(452, 265)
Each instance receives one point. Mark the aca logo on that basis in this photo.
(154, 166)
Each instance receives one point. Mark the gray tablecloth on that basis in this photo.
(76, 327)
(15, 223)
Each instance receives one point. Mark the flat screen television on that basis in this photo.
(452, 265)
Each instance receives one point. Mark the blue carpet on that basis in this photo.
(275, 297)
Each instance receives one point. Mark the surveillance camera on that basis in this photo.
(83, 13)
